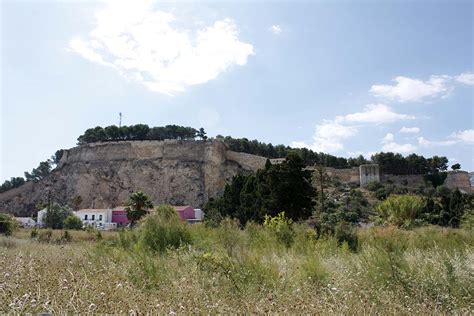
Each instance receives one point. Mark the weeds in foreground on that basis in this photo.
(393, 271)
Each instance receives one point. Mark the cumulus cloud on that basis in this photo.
(330, 134)
(328, 137)
(374, 113)
(460, 137)
(146, 46)
(466, 136)
(409, 130)
(398, 148)
(428, 143)
(389, 144)
(466, 78)
(275, 29)
(408, 89)
(388, 138)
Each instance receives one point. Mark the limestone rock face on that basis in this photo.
(104, 174)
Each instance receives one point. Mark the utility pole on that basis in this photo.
(120, 119)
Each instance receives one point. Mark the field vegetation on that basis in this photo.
(166, 266)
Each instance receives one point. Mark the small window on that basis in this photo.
(100, 217)
(93, 217)
(85, 217)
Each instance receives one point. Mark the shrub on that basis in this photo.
(55, 216)
(374, 186)
(7, 224)
(401, 210)
(73, 222)
(467, 221)
(65, 237)
(45, 236)
(346, 233)
(314, 271)
(162, 230)
(282, 227)
(229, 235)
(34, 233)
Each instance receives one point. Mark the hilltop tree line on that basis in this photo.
(390, 163)
(139, 132)
(44, 169)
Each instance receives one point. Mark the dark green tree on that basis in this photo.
(201, 134)
(456, 166)
(138, 205)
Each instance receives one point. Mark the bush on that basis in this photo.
(467, 221)
(45, 236)
(162, 230)
(401, 210)
(73, 222)
(34, 233)
(346, 233)
(65, 237)
(7, 224)
(282, 227)
(56, 215)
(374, 186)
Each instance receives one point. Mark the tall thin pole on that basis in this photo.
(120, 119)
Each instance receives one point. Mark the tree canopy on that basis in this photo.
(284, 187)
(139, 132)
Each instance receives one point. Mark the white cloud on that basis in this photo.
(389, 144)
(408, 89)
(409, 130)
(398, 148)
(466, 78)
(460, 137)
(428, 143)
(328, 137)
(145, 46)
(374, 113)
(275, 29)
(466, 136)
(388, 138)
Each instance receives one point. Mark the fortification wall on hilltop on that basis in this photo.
(459, 179)
(104, 175)
(138, 150)
(344, 175)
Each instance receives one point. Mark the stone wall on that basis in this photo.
(368, 173)
(459, 179)
(344, 175)
(104, 174)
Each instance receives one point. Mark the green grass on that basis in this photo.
(228, 270)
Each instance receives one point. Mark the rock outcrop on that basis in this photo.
(104, 174)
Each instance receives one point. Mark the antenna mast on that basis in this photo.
(120, 119)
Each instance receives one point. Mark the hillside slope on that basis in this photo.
(104, 174)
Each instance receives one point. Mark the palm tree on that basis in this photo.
(138, 205)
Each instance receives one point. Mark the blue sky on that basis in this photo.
(344, 77)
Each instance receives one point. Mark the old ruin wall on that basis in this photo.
(104, 174)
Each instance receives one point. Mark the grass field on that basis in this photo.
(225, 270)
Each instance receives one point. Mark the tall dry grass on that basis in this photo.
(229, 270)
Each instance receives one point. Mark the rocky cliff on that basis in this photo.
(104, 174)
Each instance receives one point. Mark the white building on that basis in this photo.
(26, 222)
(98, 218)
(41, 217)
(198, 214)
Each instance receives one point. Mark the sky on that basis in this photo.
(341, 77)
